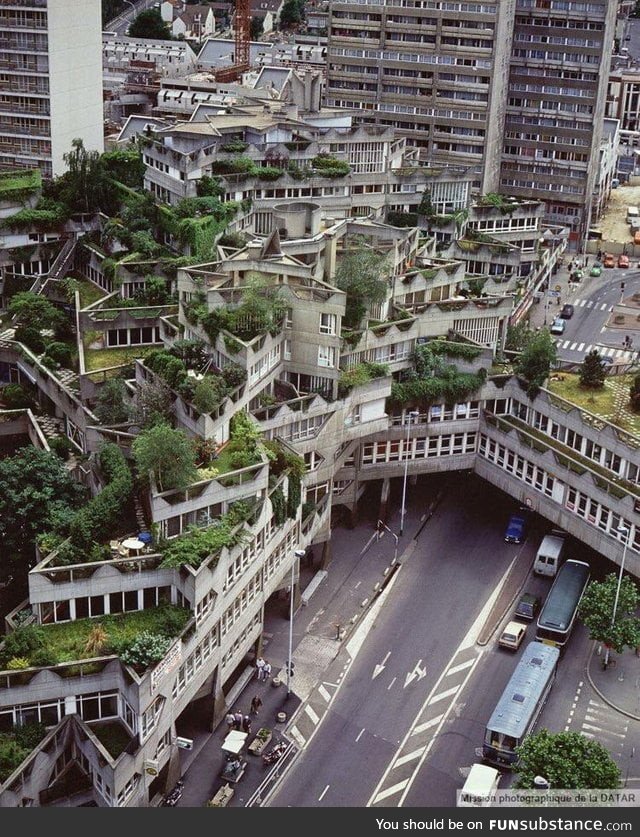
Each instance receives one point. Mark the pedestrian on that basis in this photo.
(256, 704)
(238, 717)
(586, 262)
(246, 724)
(260, 668)
(627, 342)
(599, 255)
(230, 719)
(266, 670)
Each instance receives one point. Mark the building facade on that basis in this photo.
(51, 81)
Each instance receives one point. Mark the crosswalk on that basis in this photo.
(605, 351)
(595, 720)
(590, 303)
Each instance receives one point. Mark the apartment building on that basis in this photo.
(433, 70)
(556, 95)
(50, 81)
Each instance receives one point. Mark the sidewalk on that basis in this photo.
(547, 309)
(618, 686)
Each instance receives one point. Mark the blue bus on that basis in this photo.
(520, 704)
(558, 613)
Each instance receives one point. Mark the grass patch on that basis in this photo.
(67, 641)
(89, 293)
(104, 358)
(19, 181)
(597, 401)
(113, 736)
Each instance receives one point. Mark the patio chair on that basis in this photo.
(114, 546)
(122, 550)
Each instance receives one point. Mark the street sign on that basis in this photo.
(553, 293)
(184, 743)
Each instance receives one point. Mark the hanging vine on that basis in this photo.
(279, 506)
(294, 494)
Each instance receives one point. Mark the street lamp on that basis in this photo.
(412, 414)
(622, 530)
(299, 553)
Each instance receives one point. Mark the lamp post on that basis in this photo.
(299, 553)
(394, 536)
(622, 530)
(411, 415)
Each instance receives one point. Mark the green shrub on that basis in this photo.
(61, 446)
(61, 353)
(16, 397)
(234, 375)
(145, 649)
(16, 663)
(31, 338)
(22, 643)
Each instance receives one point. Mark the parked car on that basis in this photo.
(596, 270)
(557, 326)
(516, 530)
(567, 312)
(606, 361)
(527, 607)
(623, 261)
(512, 635)
(609, 260)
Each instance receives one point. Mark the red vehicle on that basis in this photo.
(623, 261)
(609, 260)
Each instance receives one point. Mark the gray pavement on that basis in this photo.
(619, 685)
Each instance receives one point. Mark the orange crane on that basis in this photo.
(242, 28)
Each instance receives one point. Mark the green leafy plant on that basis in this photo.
(147, 648)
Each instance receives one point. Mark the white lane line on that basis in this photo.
(571, 347)
(443, 695)
(620, 353)
(427, 725)
(582, 303)
(390, 791)
(604, 731)
(391, 684)
(314, 718)
(590, 303)
(360, 734)
(604, 306)
(581, 347)
(324, 694)
(461, 667)
(410, 757)
(608, 352)
(323, 793)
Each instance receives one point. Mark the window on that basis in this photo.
(328, 323)
(327, 356)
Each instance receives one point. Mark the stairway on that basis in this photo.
(63, 260)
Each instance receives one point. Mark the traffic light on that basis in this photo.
(291, 669)
(622, 286)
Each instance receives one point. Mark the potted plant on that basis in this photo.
(262, 739)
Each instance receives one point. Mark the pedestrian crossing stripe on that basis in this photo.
(605, 351)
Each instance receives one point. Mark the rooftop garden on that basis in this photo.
(113, 736)
(432, 381)
(609, 402)
(46, 645)
(44, 329)
(95, 359)
(360, 375)
(16, 745)
(261, 311)
(19, 184)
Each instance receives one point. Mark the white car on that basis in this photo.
(512, 635)
(557, 326)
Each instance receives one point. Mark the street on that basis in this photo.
(120, 24)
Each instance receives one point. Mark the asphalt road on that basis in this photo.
(380, 723)
(593, 301)
(120, 24)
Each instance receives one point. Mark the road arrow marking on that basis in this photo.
(419, 671)
(380, 666)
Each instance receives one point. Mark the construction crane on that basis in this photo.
(242, 28)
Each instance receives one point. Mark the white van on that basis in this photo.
(632, 212)
(549, 555)
(481, 784)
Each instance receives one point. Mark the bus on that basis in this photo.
(520, 704)
(558, 613)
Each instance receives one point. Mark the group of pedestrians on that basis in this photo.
(236, 720)
(264, 669)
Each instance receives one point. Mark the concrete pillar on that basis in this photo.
(413, 479)
(325, 560)
(384, 498)
(258, 647)
(219, 704)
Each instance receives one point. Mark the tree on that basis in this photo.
(154, 403)
(168, 454)
(292, 13)
(596, 610)
(566, 760)
(362, 274)
(111, 407)
(33, 310)
(85, 186)
(536, 360)
(149, 24)
(36, 493)
(634, 394)
(256, 27)
(207, 395)
(518, 336)
(592, 373)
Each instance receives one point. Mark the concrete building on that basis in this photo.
(51, 82)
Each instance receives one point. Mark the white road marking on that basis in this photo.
(391, 684)
(427, 725)
(582, 303)
(443, 695)
(461, 667)
(581, 347)
(410, 757)
(390, 791)
(419, 671)
(603, 307)
(360, 734)
(324, 694)
(323, 793)
(310, 712)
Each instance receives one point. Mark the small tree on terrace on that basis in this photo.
(362, 274)
(33, 310)
(536, 359)
(168, 453)
(566, 760)
(592, 372)
(111, 407)
(596, 610)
